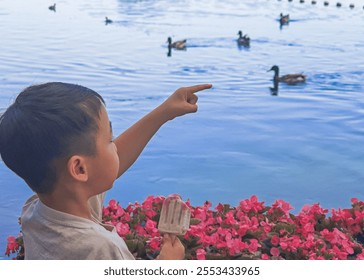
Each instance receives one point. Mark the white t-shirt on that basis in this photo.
(49, 234)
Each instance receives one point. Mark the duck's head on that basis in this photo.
(169, 40)
(274, 68)
(240, 33)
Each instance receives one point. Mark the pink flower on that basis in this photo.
(339, 254)
(140, 230)
(201, 254)
(229, 218)
(251, 205)
(308, 228)
(220, 232)
(220, 207)
(283, 206)
(148, 202)
(150, 227)
(12, 245)
(243, 229)
(154, 243)
(274, 252)
(210, 239)
(254, 245)
(360, 256)
(274, 240)
(113, 203)
(354, 200)
(234, 245)
(122, 229)
(284, 245)
(150, 213)
(267, 228)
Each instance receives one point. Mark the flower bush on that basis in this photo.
(249, 230)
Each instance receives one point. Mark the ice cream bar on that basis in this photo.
(175, 216)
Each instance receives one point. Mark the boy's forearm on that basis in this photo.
(131, 142)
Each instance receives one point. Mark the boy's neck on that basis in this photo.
(69, 203)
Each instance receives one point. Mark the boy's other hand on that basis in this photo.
(172, 248)
(183, 101)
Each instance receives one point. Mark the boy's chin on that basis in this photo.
(109, 187)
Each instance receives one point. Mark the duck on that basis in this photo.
(107, 20)
(290, 79)
(338, 4)
(243, 40)
(179, 45)
(284, 19)
(352, 6)
(326, 3)
(313, 2)
(52, 7)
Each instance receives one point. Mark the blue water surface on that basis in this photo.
(303, 145)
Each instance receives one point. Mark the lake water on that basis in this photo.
(303, 145)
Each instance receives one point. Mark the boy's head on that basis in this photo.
(47, 123)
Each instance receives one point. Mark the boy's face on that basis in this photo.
(104, 166)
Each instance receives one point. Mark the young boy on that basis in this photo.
(58, 138)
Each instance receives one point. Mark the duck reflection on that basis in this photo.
(275, 88)
(169, 53)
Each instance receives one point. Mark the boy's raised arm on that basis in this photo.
(132, 141)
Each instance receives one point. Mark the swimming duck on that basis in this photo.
(352, 6)
(107, 20)
(284, 19)
(290, 79)
(243, 40)
(313, 2)
(338, 4)
(52, 7)
(326, 3)
(179, 45)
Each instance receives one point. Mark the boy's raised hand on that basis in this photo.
(183, 101)
(172, 248)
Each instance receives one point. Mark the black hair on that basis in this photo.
(48, 122)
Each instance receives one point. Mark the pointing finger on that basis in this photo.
(196, 88)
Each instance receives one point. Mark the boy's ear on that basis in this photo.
(76, 167)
